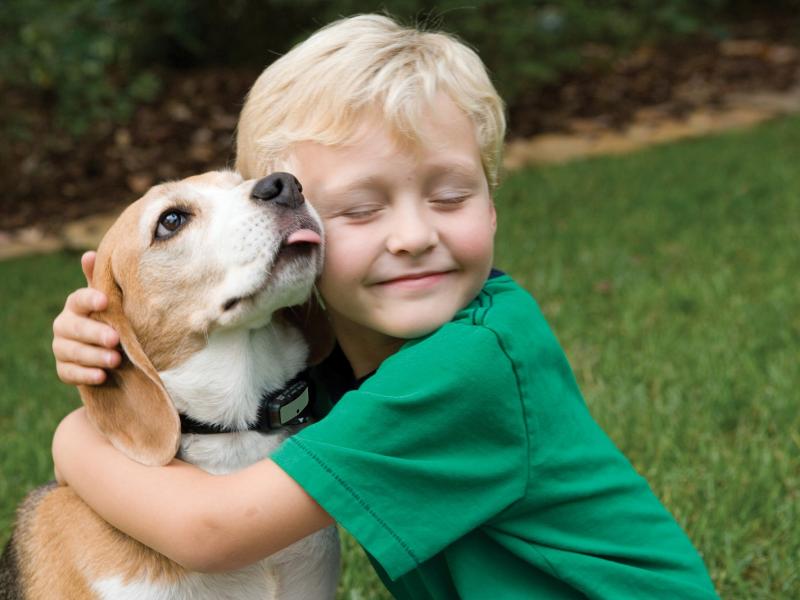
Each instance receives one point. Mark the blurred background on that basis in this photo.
(651, 204)
(101, 99)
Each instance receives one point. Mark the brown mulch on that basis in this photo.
(671, 80)
(53, 178)
(50, 178)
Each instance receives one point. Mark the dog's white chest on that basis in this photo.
(222, 453)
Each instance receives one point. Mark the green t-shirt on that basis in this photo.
(469, 466)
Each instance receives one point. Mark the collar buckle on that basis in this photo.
(286, 407)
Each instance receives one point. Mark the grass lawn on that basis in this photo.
(672, 278)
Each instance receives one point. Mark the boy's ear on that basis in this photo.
(132, 407)
(493, 210)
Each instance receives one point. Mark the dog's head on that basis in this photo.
(190, 257)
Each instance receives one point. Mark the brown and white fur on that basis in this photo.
(198, 314)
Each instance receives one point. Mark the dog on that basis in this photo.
(197, 273)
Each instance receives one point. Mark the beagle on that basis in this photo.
(195, 273)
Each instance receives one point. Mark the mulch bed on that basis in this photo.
(51, 178)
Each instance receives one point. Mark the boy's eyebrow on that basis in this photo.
(368, 181)
(454, 168)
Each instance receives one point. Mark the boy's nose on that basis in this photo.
(411, 233)
(281, 188)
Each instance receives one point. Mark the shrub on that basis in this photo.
(95, 60)
(90, 59)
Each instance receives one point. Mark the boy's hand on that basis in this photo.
(82, 346)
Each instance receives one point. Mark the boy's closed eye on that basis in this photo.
(361, 212)
(363, 207)
(448, 199)
(353, 204)
(451, 198)
(453, 186)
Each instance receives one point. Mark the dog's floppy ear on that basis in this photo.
(132, 407)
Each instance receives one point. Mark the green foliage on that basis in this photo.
(91, 59)
(95, 60)
(525, 43)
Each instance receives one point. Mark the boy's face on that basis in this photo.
(409, 229)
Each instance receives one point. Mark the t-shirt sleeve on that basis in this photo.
(427, 449)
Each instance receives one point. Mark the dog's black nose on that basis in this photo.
(281, 188)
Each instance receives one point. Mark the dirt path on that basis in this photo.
(651, 127)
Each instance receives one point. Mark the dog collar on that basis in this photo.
(281, 408)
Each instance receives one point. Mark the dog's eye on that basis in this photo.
(170, 222)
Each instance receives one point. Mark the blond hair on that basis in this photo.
(321, 89)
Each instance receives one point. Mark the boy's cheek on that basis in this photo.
(336, 267)
(477, 247)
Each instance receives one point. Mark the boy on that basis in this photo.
(462, 457)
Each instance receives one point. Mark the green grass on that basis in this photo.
(671, 279)
(32, 293)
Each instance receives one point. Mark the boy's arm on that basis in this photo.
(201, 521)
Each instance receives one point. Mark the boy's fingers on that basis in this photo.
(73, 374)
(84, 330)
(85, 301)
(68, 351)
(87, 264)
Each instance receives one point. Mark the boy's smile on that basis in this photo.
(409, 229)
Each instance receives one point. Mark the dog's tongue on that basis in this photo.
(303, 236)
